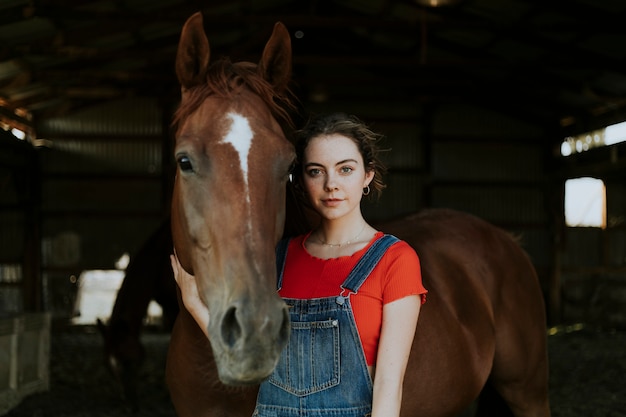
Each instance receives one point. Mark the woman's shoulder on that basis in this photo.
(399, 272)
(400, 247)
(401, 256)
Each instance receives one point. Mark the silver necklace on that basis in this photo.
(347, 242)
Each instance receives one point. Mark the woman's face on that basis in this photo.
(334, 175)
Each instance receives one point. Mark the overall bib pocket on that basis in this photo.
(310, 361)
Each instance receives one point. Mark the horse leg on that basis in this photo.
(490, 403)
(520, 368)
(527, 394)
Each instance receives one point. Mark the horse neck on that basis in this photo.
(131, 304)
(143, 276)
(299, 218)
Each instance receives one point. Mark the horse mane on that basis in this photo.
(225, 79)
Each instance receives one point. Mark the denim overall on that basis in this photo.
(322, 370)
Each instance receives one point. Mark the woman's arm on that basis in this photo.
(396, 338)
(191, 298)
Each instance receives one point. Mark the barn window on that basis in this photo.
(97, 290)
(602, 137)
(585, 202)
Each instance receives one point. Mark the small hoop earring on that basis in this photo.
(366, 190)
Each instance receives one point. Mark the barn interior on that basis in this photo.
(487, 106)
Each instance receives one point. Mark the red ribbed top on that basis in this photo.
(397, 275)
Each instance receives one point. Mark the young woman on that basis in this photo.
(354, 293)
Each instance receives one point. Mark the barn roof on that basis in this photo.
(558, 64)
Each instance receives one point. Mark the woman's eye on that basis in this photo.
(346, 170)
(314, 172)
(184, 163)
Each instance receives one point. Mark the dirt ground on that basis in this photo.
(588, 372)
(587, 377)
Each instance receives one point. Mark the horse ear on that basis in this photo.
(275, 65)
(192, 56)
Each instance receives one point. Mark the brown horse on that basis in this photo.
(148, 277)
(228, 212)
(484, 322)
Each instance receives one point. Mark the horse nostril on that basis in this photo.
(231, 329)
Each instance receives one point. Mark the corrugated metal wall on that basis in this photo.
(19, 228)
(471, 160)
(106, 181)
(104, 190)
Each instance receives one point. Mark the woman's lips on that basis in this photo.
(331, 202)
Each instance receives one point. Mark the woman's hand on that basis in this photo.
(190, 295)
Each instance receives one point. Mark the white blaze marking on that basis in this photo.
(240, 137)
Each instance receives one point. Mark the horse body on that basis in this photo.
(484, 322)
(148, 277)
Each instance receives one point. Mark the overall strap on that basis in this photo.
(368, 262)
(281, 256)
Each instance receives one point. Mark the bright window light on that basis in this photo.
(97, 292)
(96, 295)
(615, 134)
(18, 133)
(585, 202)
(610, 135)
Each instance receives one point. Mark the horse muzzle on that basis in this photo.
(247, 340)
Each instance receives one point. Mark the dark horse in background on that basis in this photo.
(148, 277)
(483, 324)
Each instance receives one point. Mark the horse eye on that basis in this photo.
(184, 163)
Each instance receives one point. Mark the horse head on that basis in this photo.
(228, 206)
